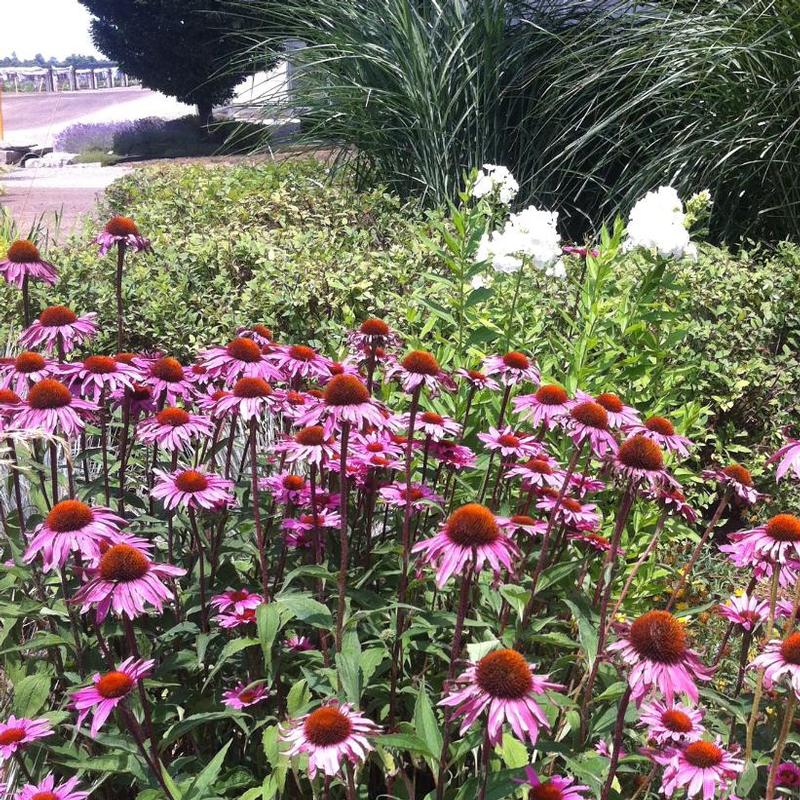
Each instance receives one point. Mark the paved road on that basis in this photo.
(37, 118)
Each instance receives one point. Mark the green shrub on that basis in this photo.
(242, 244)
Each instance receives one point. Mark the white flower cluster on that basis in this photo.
(495, 180)
(530, 234)
(657, 222)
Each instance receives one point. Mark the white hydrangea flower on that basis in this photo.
(657, 222)
(530, 234)
(495, 179)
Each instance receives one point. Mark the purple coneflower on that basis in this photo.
(673, 723)
(126, 581)
(779, 659)
(27, 368)
(16, 732)
(674, 500)
(523, 523)
(108, 691)
(789, 459)
(748, 612)
(477, 379)
(510, 443)
(549, 404)
(583, 516)
(240, 358)
(777, 541)
(556, 787)
(139, 399)
(662, 431)
(97, 375)
(292, 405)
(588, 421)
(251, 398)
(513, 368)
(244, 695)
(258, 333)
(431, 424)
(48, 790)
(310, 444)
(236, 619)
(470, 532)
(738, 478)
(298, 644)
(72, 526)
(192, 488)
(396, 495)
(345, 400)
(417, 369)
(456, 456)
(372, 334)
(52, 408)
(504, 685)
(641, 460)
(655, 648)
(121, 230)
(538, 472)
(167, 378)
(788, 774)
(59, 328)
(300, 362)
(601, 544)
(701, 768)
(22, 261)
(236, 600)
(619, 415)
(287, 488)
(328, 736)
(173, 429)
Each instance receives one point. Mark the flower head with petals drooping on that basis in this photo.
(511, 443)
(298, 362)
(504, 685)
(59, 326)
(662, 431)
(251, 398)
(236, 600)
(27, 368)
(346, 400)
(167, 378)
(702, 769)
(108, 691)
(672, 723)
(619, 415)
(788, 774)
(126, 581)
(329, 736)
(788, 458)
(244, 695)
(780, 659)
(777, 541)
(655, 648)
(556, 787)
(588, 422)
(538, 472)
(583, 516)
(240, 358)
(311, 444)
(430, 424)
(396, 495)
(477, 379)
(96, 376)
(173, 429)
(192, 488)
(122, 231)
(287, 488)
(513, 368)
(470, 533)
(24, 261)
(17, 732)
(47, 789)
(419, 369)
(548, 404)
(746, 611)
(372, 334)
(738, 479)
(674, 501)
(72, 526)
(640, 459)
(52, 408)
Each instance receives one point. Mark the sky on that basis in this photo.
(50, 27)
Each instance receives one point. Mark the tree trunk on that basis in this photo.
(205, 113)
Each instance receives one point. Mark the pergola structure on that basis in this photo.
(56, 79)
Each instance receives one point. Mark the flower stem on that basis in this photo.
(616, 747)
(26, 302)
(118, 288)
(751, 723)
(201, 567)
(344, 548)
(723, 503)
(260, 544)
(788, 716)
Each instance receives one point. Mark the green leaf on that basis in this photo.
(298, 698)
(556, 574)
(189, 723)
(200, 786)
(425, 723)
(306, 609)
(513, 752)
(587, 630)
(406, 741)
(30, 695)
(231, 648)
(268, 623)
